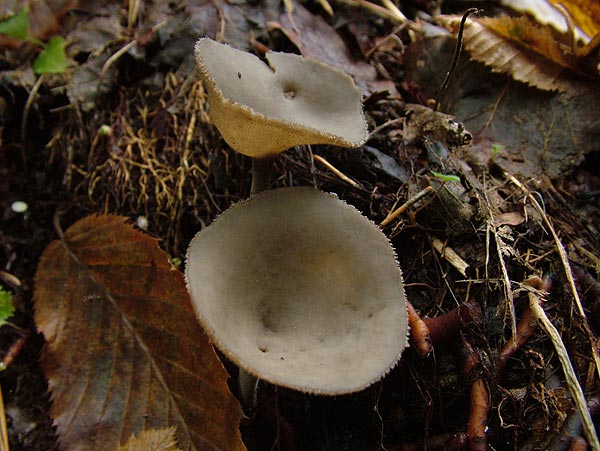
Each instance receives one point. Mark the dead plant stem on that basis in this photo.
(570, 376)
(397, 212)
(336, 171)
(566, 265)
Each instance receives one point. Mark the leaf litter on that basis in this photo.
(143, 146)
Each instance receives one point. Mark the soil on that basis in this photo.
(128, 145)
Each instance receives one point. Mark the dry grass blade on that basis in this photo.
(124, 351)
(336, 171)
(572, 382)
(3, 429)
(567, 267)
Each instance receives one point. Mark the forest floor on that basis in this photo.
(509, 215)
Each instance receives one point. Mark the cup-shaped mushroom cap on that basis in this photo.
(263, 109)
(300, 289)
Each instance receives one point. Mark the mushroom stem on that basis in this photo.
(247, 388)
(261, 174)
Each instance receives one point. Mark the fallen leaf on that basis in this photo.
(513, 218)
(545, 13)
(124, 351)
(584, 13)
(315, 38)
(530, 53)
(152, 440)
(539, 132)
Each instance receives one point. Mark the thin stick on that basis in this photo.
(450, 256)
(395, 11)
(567, 267)
(378, 10)
(572, 382)
(506, 279)
(25, 117)
(386, 124)
(397, 212)
(391, 35)
(3, 429)
(336, 171)
(455, 57)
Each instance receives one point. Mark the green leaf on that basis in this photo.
(446, 178)
(496, 149)
(6, 307)
(53, 59)
(16, 26)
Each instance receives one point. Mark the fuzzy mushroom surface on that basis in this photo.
(300, 289)
(263, 109)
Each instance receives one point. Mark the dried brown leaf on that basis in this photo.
(536, 132)
(315, 38)
(152, 440)
(124, 351)
(519, 47)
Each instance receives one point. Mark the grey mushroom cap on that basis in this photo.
(263, 109)
(300, 289)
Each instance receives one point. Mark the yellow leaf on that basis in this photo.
(152, 440)
(584, 13)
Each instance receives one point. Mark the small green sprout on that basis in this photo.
(496, 149)
(446, 178)
(52, 59)
(6, 306)
(17, 26)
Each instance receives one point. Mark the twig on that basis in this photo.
(394, 214)
(386, 124)
(567, 267)
(4, 446)
(336, 171)
(455, 57)
(378, 10)
(25, 116)
(505, 278)
(572, 383)
(450, 256)
(119, 53)
(391, 35)
(394, 10)
(12, 352)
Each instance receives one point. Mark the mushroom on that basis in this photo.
(300, 289)
(263, 109)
